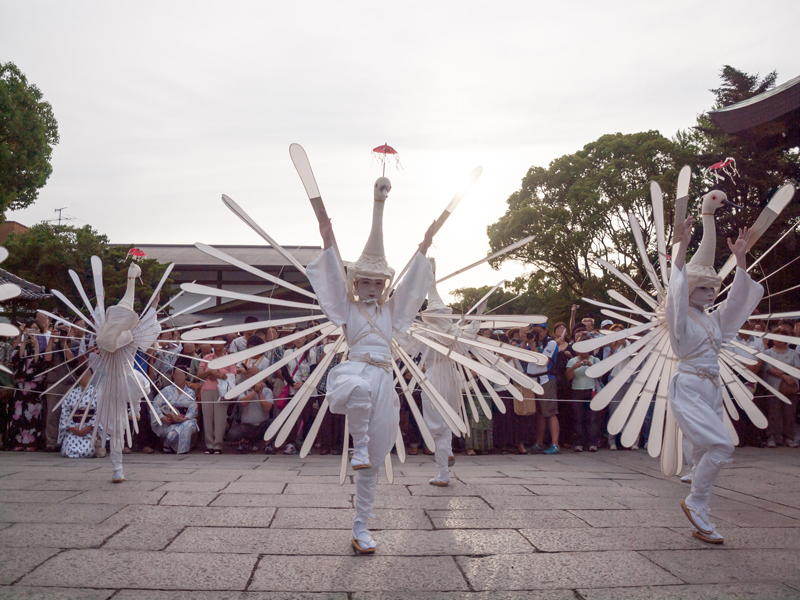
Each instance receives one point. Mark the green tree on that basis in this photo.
(44, 254)
(578, 208)
(28, 132)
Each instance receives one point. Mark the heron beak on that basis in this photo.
(727, 202)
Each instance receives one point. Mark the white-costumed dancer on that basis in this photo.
(118, 333)
(697, 336)
(362, 387)
(443, 373)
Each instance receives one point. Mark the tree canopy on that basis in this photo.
(577, 207)
(44, 254)
(28, 132)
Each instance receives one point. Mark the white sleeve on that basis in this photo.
(742, 300)
(677, 309)
(326, 279)
(410, 294)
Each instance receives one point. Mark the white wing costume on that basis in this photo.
(455, 360)
(118, 332)
(362, 386)
(700, 343)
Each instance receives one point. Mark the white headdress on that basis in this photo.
(700, 269)
(372, 262)
(435, 302)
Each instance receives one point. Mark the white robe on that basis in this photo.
(358, 389)
(694, 390)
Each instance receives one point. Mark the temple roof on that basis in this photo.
(30, 291)
(772, 117)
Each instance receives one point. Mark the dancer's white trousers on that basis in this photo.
(697, 405)
(441, 434)
(116, 444)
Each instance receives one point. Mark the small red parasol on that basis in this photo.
(381, 153)
(136, 255)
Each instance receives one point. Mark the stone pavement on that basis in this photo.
(590, 526)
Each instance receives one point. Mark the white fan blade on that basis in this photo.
(490, 374)
(303, 166)
(211, 251)
(345, 453)
(629, 282)
(7, 329)
(412, 405)
(9, 290)
(642, 247)
(204, 290)
(658, 217)
(99, 293)
(237, 357)
(237, 210)
(400, 447)
(513, 246)
(777, 203)
(604, 396)
(592, 344)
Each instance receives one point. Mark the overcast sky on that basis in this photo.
(163, 106)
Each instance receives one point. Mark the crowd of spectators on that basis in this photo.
(48, 355)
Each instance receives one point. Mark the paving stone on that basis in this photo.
(490, 481)
(617, 538)
(250, 487)
(46, 535)
(16, 562)
(353, 573)
(528, 595)
(751, 591)
(432, 502)
(459, 489)
(21, 592)
(145, 570)
(563, 570)
(188, 498)
(335, 518)
(722, 565)
(192, 486)
(633, 518)
(37, 512)
(159, 595)
(754, 518)
(651, 503)
(504, 519)
(116, 496)
(96, 485)
(336, 542)
(66, 474)
(580, 501)
(143, 537)
(273, 476)
(26, 496)
(199, 475)
(569, 490)
(292, 501)
(208, 516)
(307, 489)
(788, 498)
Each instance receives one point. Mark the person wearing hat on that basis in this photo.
(696, 337)
(362, 386)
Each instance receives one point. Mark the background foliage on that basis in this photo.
(28, 132)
